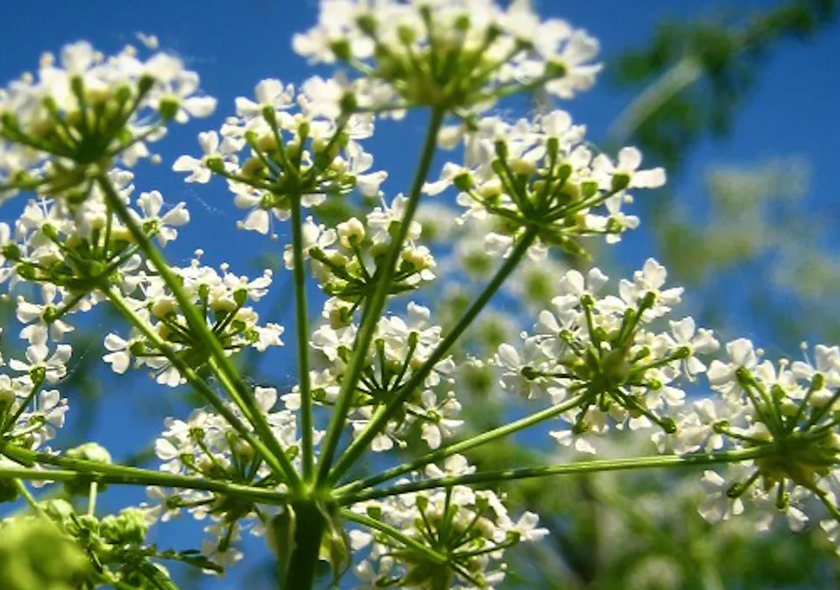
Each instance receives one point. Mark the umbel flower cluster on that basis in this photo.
(377, 370)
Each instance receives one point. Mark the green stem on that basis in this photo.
(394, 533)
(24, 406)
(92, 494)
(381, 417)
(302, 326)
(300, 574)
(494, 477)
(460, 447)
(240, 392)
(77, 470)
(280, 464)
(30, 500)
(376, 303)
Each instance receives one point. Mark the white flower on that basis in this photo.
(718, 506)
(650, 280)
(54, 366)
(314, 236)
(212, 148)
(151, 204)
(119, 355)
(626, 171)
(269, 93)
(722, 376)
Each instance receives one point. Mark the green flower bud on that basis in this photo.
(341, 49)
(59, 509)
(620, 182)
(145, 83)
(34, 554)
(8, 491)
(11, 252)
(406, 35)
(87, 452)
(168, 108)
(367, 24)
(90, 451)
(129, 526)
(123, 93)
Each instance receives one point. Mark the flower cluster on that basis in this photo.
(453, 538)
(347, 261)
(542, 174)
(295, 146)
(457, 55)
(30, 414)
(222, 299)
(782, 416)
(599, 359)
(84, 114)
(401, 348)
(76, 253)
(207, 445)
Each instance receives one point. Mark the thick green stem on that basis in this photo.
(381, 417)
(309, 528)
(376, 304)
(280, 465)
(78, 470)
(239, 392)
(495, 477)
(302, 327)
(460, 447)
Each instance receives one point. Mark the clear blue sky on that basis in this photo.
(235, 44)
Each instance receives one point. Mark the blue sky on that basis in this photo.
(233, 45)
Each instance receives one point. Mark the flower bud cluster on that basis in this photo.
(62, 549)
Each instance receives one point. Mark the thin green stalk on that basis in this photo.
(280, 465)
(394, 533)
(460, 447)
(381, 417)
(24, 406)
(77, 470)
(30, 500)
(495, 477)
(240, 392)
(302, 327)
(376, 304)
(92, 496)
